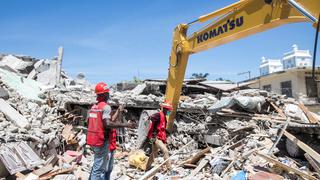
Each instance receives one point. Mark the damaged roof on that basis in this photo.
(224, 85)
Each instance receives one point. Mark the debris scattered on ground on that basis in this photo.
(219, 133)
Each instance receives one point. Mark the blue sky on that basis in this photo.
(113, 40)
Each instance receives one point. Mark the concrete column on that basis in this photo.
(59, 63)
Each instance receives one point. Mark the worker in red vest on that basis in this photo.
(157, 133)
(99, 124)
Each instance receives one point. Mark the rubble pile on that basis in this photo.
(234, 134)
(139, 97)
(200, 101)
(34, 117)
(242, 135)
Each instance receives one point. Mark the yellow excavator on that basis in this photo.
(238, 20)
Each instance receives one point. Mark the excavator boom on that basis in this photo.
(233, 22)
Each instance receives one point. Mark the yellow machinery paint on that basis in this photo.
(233, 22)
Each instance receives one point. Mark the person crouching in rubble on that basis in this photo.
(157, 133)
(99, 125)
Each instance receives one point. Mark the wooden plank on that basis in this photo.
(43, 170)
(303, 146)
(228, 167)
(241, 129)
(310, 116)
(201, 165)
(20, 176)
(314, 164)
(194, 159)
(280, 111)
(270, 116)
(276, 120)
(67, 132)
(189, 165)
(286, 167)
(52, 174)
(31, 176)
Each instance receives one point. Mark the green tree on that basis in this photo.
(222, 79)
(136, 79)
(199, 75)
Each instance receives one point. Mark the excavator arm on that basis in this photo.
(233, 22)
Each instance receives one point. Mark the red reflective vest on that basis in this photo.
(96, 128)
(160, 129)
(112, 139)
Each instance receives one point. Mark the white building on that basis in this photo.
(268, 66)
(296, 58)
(292, 77)
(294, 82)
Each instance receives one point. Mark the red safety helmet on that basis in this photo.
(167, 105)
(101, 87)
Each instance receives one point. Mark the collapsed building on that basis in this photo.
(222, 130)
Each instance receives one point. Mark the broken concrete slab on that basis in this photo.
(11, 160)
(28, 156)
(39, 66)
(144, 126)
(18, 157)
(213, 139)
(49, 77)
(27, 88)
(13, 115)
(139, 89)
(15, 63)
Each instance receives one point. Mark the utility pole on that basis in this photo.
(246, 72)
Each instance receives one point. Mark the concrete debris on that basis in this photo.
(27, 88)
(13, 115)
(295, 112)
(11, 160)
(143, 127)
(48, 77)
(200, 101)
(235, 133)
(138, 89)
(218, 134)
(16, 63)
(28, 156)
(33, 116)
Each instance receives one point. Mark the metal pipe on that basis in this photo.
(193, 21)
(302, 10)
